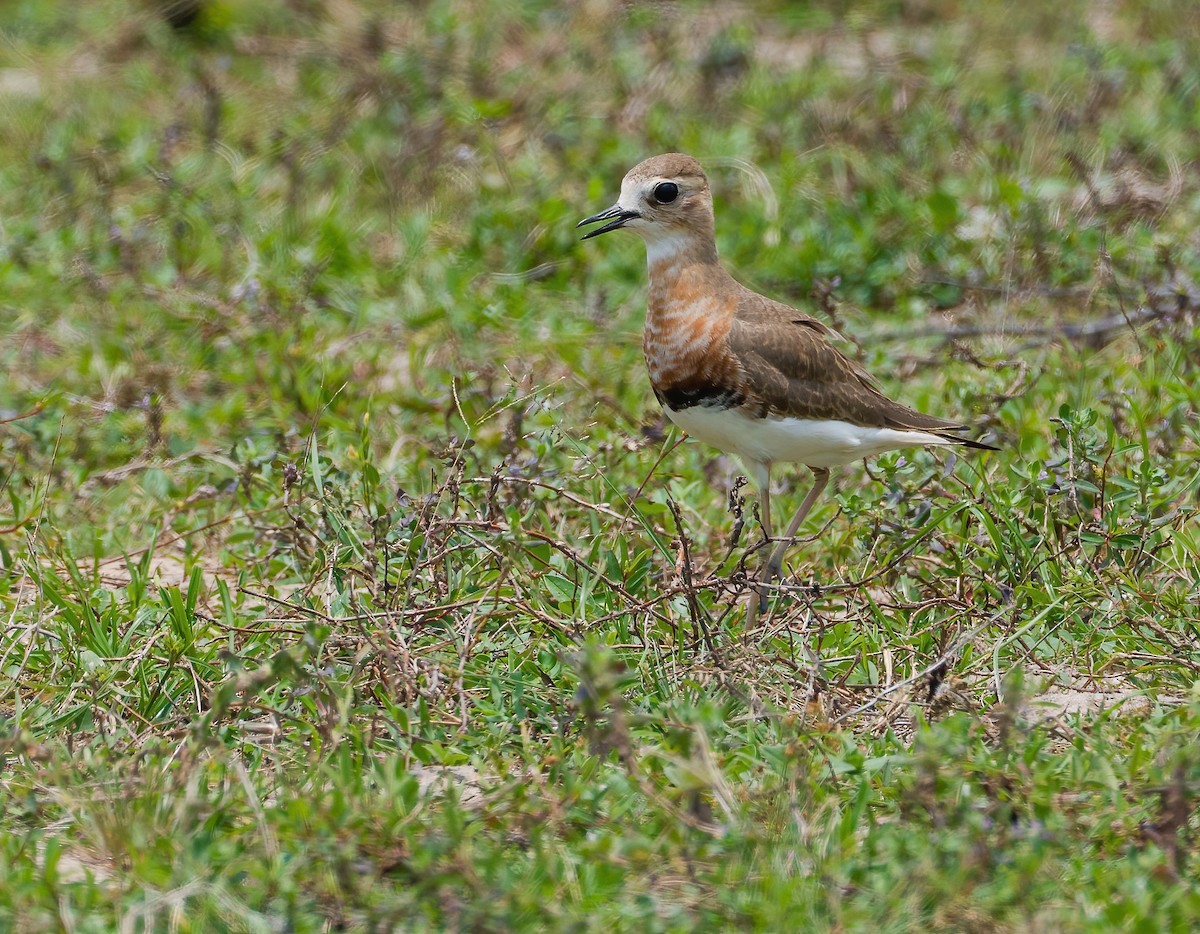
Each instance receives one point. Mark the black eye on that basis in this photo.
(666, 192)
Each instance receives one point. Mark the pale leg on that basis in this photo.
(758, 598)
(775, 565)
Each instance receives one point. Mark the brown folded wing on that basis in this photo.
(789, 368)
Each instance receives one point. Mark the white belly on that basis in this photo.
(813, 442)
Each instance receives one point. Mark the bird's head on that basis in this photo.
(666, 201)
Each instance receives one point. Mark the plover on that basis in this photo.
(746, 374)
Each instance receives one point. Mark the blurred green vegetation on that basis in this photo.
(342, 560)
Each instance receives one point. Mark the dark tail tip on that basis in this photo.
(968, 443)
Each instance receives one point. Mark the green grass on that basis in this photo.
(342, 544)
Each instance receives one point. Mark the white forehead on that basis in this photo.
(632, 189)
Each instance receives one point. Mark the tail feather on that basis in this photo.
(965, 442)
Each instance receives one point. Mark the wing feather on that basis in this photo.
(790, 368)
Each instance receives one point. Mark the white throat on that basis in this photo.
(665, 248)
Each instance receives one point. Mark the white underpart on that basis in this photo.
(813, 442)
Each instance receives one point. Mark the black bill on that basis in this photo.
(616, 216)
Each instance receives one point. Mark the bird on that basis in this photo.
(744, 373)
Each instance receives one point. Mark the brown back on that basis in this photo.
(790, 368)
